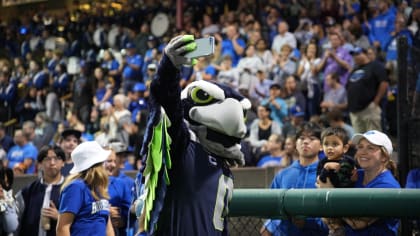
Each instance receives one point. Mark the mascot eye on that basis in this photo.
(200, 96)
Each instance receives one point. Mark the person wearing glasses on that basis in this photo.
(38, 202)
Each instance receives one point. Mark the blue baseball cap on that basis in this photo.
(139, 87)
(357, 51)
(130, 45)
(296, 111)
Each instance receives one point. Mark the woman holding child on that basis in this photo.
(377, 170)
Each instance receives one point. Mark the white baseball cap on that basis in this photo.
(87, 154)
(375, 137)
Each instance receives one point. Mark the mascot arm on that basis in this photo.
(165, 88)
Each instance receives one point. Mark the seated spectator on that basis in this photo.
(44, 130)
(68, 141)
(274, 147)
(296, 118)
(261, 129)
(336, 119)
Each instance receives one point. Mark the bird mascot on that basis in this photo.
(192, 139)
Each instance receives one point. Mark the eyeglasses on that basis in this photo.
(49, 159)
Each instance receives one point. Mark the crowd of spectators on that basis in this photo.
(327, 61)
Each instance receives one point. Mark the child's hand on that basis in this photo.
(320, 184)
(332, 166)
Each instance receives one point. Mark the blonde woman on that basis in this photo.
(84, 207)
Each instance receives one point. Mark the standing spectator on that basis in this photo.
(264, 53)
(368, 78)
(284, 65)
(336, 60)
(8, 96)
(400, 30)
(250, 61)
(103, 88)
(301, 174)
(292, 94)
(84, 207)
(260, 89)
(232, 45)
(21, 157)
(119, 196)
(382, 24)
(68, 141)
(83, 90)
(27, 107)
(44, 130)
(277, 105)
(6, 142)
(123, 118)
(8, 211)
(284, 37)
(336, 97)
(39, 200)
(111, 65)
(309, 78)
(61, 80)
(228, 74)
(413, 178)
(130, 67)
(209, 28)
(141, 38)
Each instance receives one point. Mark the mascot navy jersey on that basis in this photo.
(190, 194)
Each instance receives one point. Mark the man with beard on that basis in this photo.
(38, 202)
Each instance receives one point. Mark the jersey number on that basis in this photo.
(224, 194)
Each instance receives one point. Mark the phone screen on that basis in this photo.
(205, 47)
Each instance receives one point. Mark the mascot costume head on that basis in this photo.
(192, 138)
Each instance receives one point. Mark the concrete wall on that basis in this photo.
(247, 177)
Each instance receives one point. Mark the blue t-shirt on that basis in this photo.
(91, 216)
(381, 226)
(120, 196)
(413, 179)
(269, 160)
(296, 176)
(228, 49)
(18, 154)
(131, 74)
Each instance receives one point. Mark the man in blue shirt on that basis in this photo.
(21, 157)
(382, 24)
(300, 174)
(131, 67)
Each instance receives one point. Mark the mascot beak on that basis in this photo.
(226, 117)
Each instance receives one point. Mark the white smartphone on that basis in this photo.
(205, 47)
